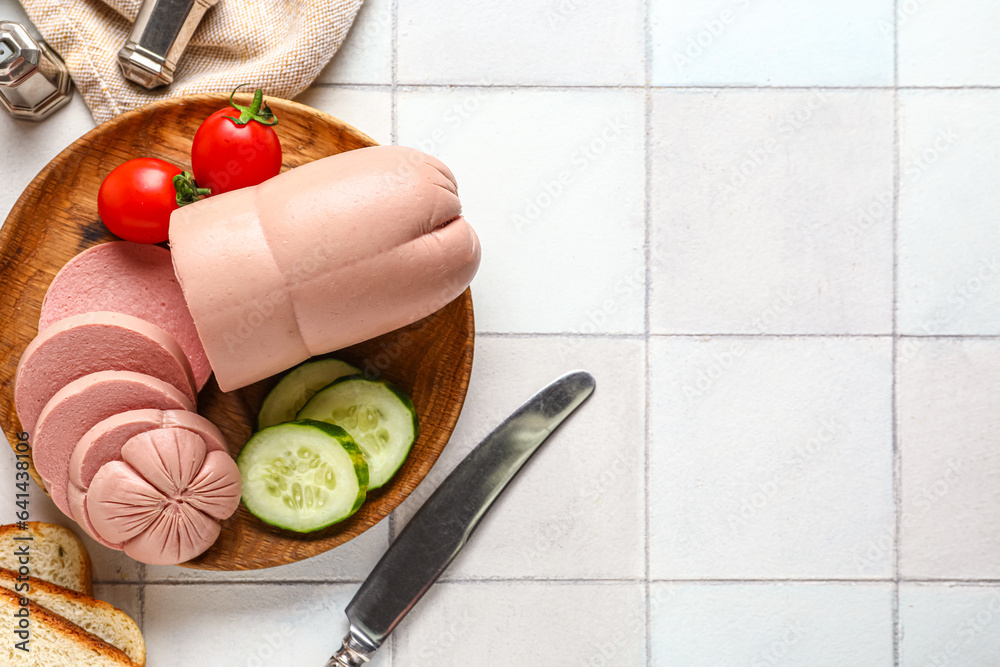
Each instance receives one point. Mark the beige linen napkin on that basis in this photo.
(277, 45)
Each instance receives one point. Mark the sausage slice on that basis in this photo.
(90, 342)
(132, 278)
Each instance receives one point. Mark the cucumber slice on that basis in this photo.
(297, 387)
(380, 418)
(303, 475)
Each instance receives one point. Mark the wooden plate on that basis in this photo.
(56, 218)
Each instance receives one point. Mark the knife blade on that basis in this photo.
(442, 526)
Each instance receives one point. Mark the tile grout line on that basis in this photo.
(896, 457)
(393, 94)
(141, 580)
(990, 337)
(950, 582)
(571, 581)
(720, 334)
(572, 87)
(393, 85)
(767, 582)
(356, 582)
(574, 581)
(647, 250)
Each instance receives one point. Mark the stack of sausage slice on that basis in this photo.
(107, 393)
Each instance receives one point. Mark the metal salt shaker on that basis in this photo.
(34, 81)
(160, 34)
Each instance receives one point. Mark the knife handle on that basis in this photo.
(347, 656)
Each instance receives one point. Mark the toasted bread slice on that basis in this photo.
(53, 641)
(55, 554)
(95, 616)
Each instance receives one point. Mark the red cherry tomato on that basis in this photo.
(136, 199)
(236, 147)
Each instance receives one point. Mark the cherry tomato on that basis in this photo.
(136, 199)
(236, 147)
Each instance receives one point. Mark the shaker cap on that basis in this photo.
(34, 81)
(19, 54)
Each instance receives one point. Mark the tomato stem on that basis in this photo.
(187, 189)
(257, 111)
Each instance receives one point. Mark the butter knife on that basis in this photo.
(442, 526)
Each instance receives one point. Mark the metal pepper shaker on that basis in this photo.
(160, 34)
(34, 81)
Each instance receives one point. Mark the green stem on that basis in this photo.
(257, 111)
(187, 189)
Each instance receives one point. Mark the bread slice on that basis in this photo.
(95, 616)
(55, 554)
(53, 641)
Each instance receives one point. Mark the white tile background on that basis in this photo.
(769, 228)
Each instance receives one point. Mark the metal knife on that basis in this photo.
(442, 526)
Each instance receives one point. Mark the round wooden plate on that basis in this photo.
(56, 218)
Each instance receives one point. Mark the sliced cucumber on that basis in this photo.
(297, 387)
(379, 417)
(303, 475)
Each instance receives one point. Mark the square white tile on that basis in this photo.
(348, 562)
(791, 43)
(814, 625)
(760, 204)
(949, 625)
(949, 242)
(366, 54)
(525, 623)
(369, 110)
(246, 625)
(521, 42)
(553, 182)
(949, 413)
(948, 43)
(576, 509)
(770, 458)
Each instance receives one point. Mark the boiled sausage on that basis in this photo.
(326, 255)
(163, 502)
(103, 443)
